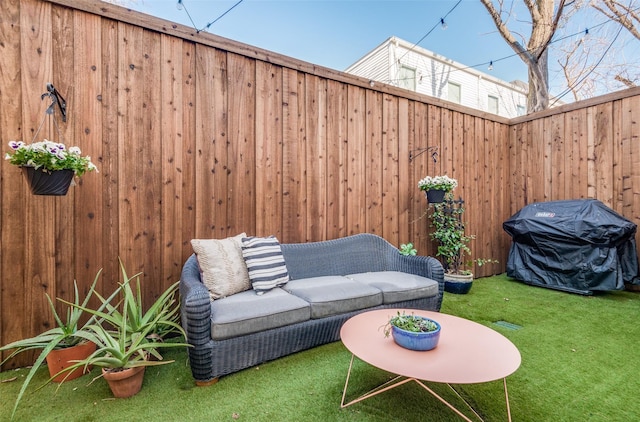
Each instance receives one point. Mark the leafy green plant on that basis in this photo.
(449, 233)
(49, 156)
(66, 334)
(444, 183)
(159, 320)
(408, 249)
(125, 335)
(413, 323)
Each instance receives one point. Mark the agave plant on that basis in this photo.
(67, 333)
(125, 334)
(129, 315)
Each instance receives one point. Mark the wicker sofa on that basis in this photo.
(330, 281)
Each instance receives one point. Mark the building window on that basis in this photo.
(492, 104)
(455, 95)
(521, 110)
(407, 78)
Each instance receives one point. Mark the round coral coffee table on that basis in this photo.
(467, 353)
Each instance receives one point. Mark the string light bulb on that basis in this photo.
(490, 65)
(179, 5)
(443, 24)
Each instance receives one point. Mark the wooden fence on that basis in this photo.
(196, 136)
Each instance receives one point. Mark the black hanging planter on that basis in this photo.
(55, 182)
(435, 196)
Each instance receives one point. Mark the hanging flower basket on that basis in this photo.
(49, 166)
(44, 182)
(435, 196)
(435, 187)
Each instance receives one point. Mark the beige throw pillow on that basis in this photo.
(222, 267)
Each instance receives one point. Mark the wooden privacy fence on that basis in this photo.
(197, 136)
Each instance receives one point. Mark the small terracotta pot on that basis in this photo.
(124, 382)
(59, 359)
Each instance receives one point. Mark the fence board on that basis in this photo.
(13, 295)
(107, 155)
(241, 144)
(315, 153)
(268, 150)
(294, 201)
(373, 163)
(189, 198)
(356, 166)
(405, 182)
(336, 159)
(390, 171)
(171, 140)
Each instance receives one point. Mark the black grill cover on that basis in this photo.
(579, 246)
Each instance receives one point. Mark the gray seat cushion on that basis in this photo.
(333, 295)
(246, 313)
(398, 286)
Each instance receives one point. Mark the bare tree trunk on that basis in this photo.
(544, 22)
(538, 96)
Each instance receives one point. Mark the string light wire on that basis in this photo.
(182, 6)
(221, 16)
(586, 31)
(441, 22)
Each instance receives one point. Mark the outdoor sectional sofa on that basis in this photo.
(328, 282)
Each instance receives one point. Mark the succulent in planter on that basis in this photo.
(413, 323)
(413, 332)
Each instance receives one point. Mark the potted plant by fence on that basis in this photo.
(49, 166)
(453, 245)
(128, 338)
(413, 332)
(436, 187)
(60, 345)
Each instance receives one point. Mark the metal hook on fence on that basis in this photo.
(56, 98)
(420, 151)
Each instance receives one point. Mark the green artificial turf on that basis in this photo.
(578, 364)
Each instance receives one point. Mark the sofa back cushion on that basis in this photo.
(348, 255)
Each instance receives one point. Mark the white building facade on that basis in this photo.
(400, 63)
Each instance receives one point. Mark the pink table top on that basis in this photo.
(467, 352)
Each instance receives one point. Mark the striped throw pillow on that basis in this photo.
(265, 263)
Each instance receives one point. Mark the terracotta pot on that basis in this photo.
(124, 382)
(59, 359)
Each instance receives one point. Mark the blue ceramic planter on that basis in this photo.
(416, 341)
(457, 283)
(456, 287)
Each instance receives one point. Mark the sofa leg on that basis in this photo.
(206, 383)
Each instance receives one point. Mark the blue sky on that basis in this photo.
(336, 33)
